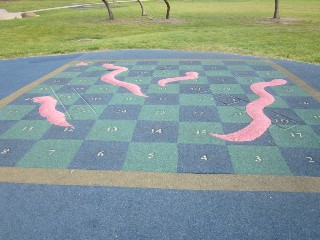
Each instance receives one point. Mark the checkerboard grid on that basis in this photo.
(157, 110)
(284, 169)
(15, 112)
(55, 153)
(266, 69)
(251, 159)
(150, 155)
(37, 129)
(152, 147)
(132, 162)
(310, 116)
(121, 107)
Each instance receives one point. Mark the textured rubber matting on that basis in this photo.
(168, 131)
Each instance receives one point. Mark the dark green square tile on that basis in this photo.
(160, 113)
(138, 80)
(112, 130)
(46, 89)
(270, 74)
(81, 112)
(27, 129)
(226, 88)
(84, 81)
(200, 80)
(233, 115)
(152, 157)
(104, 88)
(196, 100)
(309, 116)
(166, 73)
(290, 91)
(199, 133)
(278, 101)
(295, 136)
(258, 160)
(168, 89)
(15, 112)
(219, 73)
(191, 68)
(126, 99)
(50, 154)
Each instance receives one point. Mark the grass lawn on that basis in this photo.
(228, 26)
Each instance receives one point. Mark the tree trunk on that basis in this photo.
(109, 9)
(276, 14)
(142, 9)
(168, 9)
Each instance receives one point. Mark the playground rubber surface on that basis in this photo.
(148, 120)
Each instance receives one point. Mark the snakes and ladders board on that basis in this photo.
(179, 116)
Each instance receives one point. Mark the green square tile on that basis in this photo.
(258, 160)
(199, 80)
(123, 75)
(212, 62)
(198, 132)
(50, 154)
(309, 116)
(219, 73)
(112, 130)
(229, 114)
(68, 98)
(270, 74)
(168, 89)
(168, 62)
(290, 91)
(66, 74)
(226, 88)
(196, 100)
(81, 112)
(166, 73)
(45, 89)
(27, 129)
(239, 68)
(152, 157)
(191, 68)
(138, 80)
(278, 101)
(159, 113)
(84, 81)
(295, 136)
(248, 80)
(15, 112)
(105, 88)
(96, 68)
(125, 63)
(257, 63)
(126, 99)
(143, 67)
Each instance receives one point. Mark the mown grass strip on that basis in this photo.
(235, 26)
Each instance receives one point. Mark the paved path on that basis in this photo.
(5, 15)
